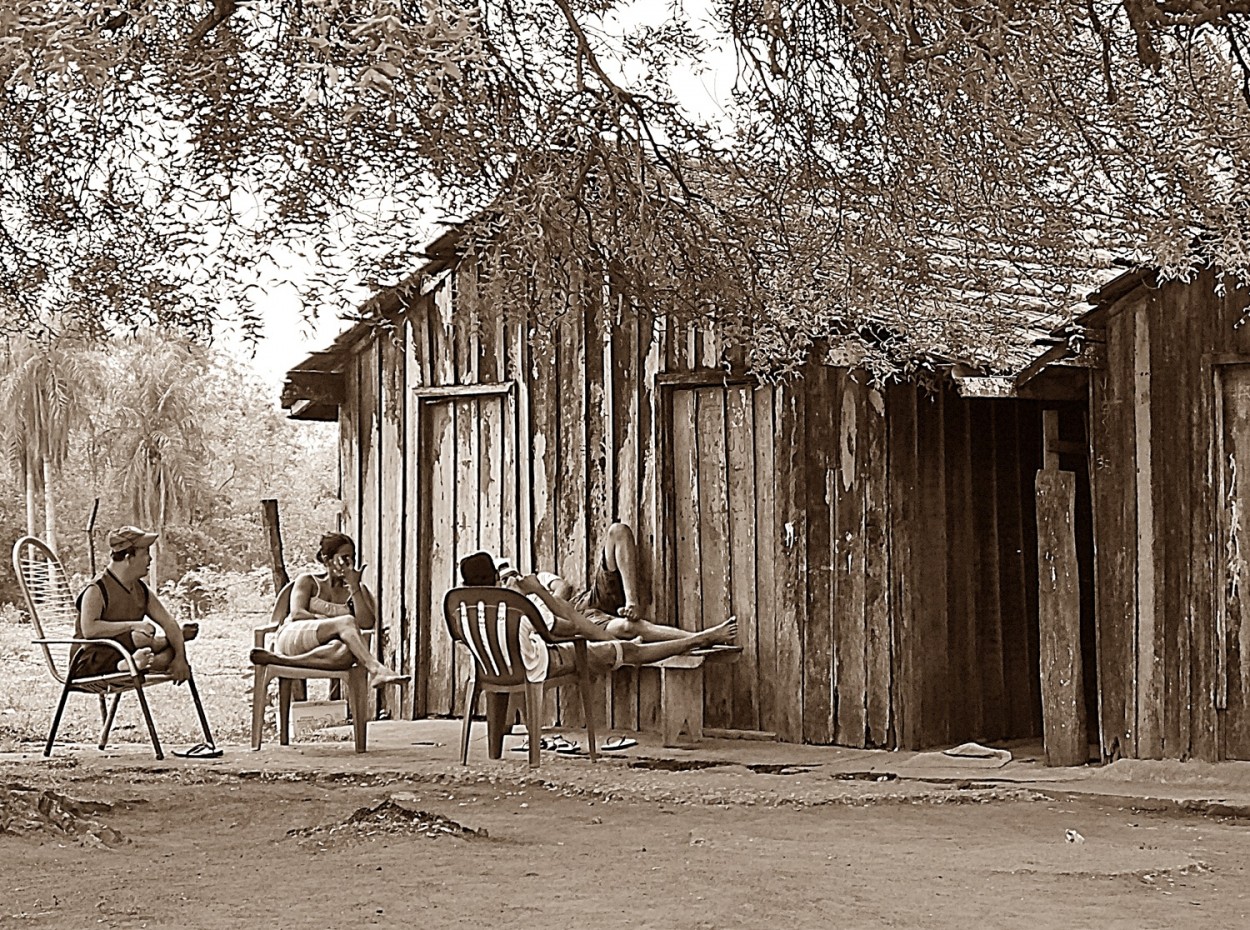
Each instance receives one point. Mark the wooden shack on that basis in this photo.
(878, 547)
(1169, 401)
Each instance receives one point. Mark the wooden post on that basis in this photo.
(273, 529)
(95, 509)
(269, 508)
(1059, 617)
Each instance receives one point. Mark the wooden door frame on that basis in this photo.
(425, 397)
(1213, 366)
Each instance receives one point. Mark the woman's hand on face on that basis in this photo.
(351, 574)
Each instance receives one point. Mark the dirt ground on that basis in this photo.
(213, 850)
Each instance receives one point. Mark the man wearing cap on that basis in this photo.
(118, 605)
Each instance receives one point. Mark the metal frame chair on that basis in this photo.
(54, 615)
(499, 672)
(355, 682)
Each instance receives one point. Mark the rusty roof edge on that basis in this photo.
(440, 253)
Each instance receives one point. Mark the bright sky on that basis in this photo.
(288, 337)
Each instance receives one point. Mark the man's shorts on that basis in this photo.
(602, 657)
(607, 589)
(90, 661)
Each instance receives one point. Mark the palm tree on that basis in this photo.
(156, 442)
(36, 421)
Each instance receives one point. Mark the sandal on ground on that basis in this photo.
(564, 747)
(617, 743)
(199, 751)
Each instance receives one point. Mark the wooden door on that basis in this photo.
(1232, 639)
(462, 499)
(712, 513)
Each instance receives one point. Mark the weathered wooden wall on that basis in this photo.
(1168, 436)
(876, 548)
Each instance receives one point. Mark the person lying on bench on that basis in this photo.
(613, 600)
(604, 650)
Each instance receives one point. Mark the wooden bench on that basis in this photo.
(681, 692)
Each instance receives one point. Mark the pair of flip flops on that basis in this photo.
(565, 747)
(199, 751)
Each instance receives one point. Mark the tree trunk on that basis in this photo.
(30, 497)
(49, 508)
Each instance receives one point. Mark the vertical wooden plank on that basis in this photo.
(790, 557)
(929, 568)
(571, 499)
(599, 508)
(851, 652)
(873, 470)
(824, 388)
(1149, 677)
(1204, 592)
(905, 593)
(713, 527)
(544, 442)
(349, 452)
(766, 444)
(1063, 692)
(1170, 405)
(491, 477)
(1233, 629)
(655, 477)
(687, 508)
(439, 507)
(368, 544)
(466, 323)
(415, 602)
(442, 336)
(466, 414)
(624, 363)
(391, 518)
(570, 496)
(509, 499)
(523, 454)
(741, 443)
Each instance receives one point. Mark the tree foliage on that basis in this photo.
(163, 422)
(908, 172)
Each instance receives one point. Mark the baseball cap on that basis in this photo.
(130, 537)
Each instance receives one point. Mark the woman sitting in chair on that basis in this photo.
(328, 611)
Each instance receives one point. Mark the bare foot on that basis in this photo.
(386, 677)
(141, 657)
(722, 634)
(265, 657)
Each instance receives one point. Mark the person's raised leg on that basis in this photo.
(620, 554)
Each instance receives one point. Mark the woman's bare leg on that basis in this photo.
(332, 657)
(344, 629)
